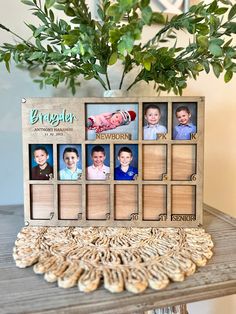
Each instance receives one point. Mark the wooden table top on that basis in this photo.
(22, 291)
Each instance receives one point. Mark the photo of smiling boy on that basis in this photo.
(71, 158)
(125, 171)
(152, 116)
(185, 127)
(43, 170)
(98, 170)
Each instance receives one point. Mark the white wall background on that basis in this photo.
(220, 131)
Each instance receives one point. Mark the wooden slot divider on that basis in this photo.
(168, 191)
(55, 213)
(84, 190)
(139, 181)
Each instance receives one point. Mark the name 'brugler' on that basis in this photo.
(52, 118)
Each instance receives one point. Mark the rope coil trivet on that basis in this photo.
(124, 258)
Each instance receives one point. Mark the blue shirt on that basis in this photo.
(67, 174)
(150, 132)
(129, 175)
(183, 131)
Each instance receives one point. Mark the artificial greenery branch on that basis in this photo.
(78, 46)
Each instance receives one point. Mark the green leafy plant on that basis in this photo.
(79, 46)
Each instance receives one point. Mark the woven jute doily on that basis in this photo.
(120, 258)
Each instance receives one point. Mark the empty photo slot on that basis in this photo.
(42, 206)
(126, 201)
(69, 201)
(154, 202)
(154, 162)
(183, 162)
(183, 200)
(98, 201)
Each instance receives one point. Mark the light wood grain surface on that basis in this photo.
(21, 291)
(163, 161)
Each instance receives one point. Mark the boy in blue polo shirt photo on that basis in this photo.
(185, 127)
(125, 171)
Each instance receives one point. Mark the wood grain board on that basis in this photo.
(166, 192)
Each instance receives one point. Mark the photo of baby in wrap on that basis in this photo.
(113, 118)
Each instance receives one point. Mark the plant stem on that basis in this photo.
(98, 78)
(108, 82)
(8, 30)
(132, 84)
(122, 79)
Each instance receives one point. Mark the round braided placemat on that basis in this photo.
(120, 258)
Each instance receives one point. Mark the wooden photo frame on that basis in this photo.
(135, 181)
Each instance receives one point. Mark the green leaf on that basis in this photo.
(21, 47)
(6, 58)
(113, 10)
(51, 14)
(69, 11)
(27, 2)
(81, 48)
(158, 18)
(144, 3)
(126, 44)
(121, 47)
(49, 48)
(35, 55)
(217, 69)
(39, 30)
(203, 29)
(225, 1)
(59, 7)
(41, 16)
(49, 3)
(216, 50)
(230, 52)
(228, 76)
(147, 15)
(217, 41)
(202, 41)
(32, 27)
(69, 40)
(89, 76)
(232, 12)
(198, 67)
(227, 62)
(228, 43)
(99, 69)
(114, 35)
(206, 66)
(113, 58)
(231, 27)
(49, 81)
(147, 64)
(100, 13)
(75, 20)
(221, 11)
(39, 45)
(7, 64)
(212, 7)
